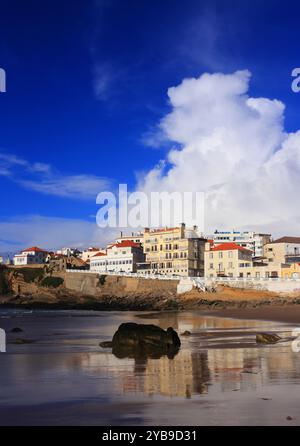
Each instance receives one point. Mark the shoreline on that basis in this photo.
(286, 312)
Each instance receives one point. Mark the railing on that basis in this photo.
(123, 274)
(252, 279)
(176, 277)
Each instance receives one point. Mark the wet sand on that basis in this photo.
(219, 377)
(289, 314)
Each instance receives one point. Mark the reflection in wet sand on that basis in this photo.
(220, 359)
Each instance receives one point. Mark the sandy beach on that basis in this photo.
(285, 313)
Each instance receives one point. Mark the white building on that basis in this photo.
(31, 256)
(87, 254)
(137, 237)
(68, 252)
(119, 257)
(246, 239)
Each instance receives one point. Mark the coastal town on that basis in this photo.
(177, 252)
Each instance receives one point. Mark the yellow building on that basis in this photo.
(227, 260)
(281, 259)
(173, 251)
(291, 271)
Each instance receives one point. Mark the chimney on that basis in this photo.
(182, 230)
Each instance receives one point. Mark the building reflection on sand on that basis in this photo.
(199, 369)
(220, 356)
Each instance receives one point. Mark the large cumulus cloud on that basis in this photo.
(235, 149)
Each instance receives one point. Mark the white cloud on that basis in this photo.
(50, 233)
(103, 80)
(233, 147)
(42, 178)
(77, 186)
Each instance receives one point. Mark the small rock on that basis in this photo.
(16, 330)
(186, 333)
(22, 341)
(289, 418)
(106, 344)
(267, 338)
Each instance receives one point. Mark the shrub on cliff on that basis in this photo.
(102, 279)
(52, 282)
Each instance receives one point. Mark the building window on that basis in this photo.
(220, 255)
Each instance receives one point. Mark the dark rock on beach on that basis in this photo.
(139, 340)
(22, 341)
(267, 338)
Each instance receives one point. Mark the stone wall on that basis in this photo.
(277, 285)
(91, 284)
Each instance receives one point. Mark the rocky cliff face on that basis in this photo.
(27, 286)
(4, 281)
(39, 287)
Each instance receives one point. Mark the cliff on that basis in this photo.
(41, 287)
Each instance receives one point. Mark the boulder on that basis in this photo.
(139, 340)
(267, 338)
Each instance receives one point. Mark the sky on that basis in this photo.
(163, 96)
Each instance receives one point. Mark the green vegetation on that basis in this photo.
(31, 274)
(52, 282)
(102, 280)
(4, 283)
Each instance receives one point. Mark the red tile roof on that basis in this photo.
(126, 244)
(34, 249)
(230, 247)
(99, 254)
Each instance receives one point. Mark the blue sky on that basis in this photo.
(87, 86)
